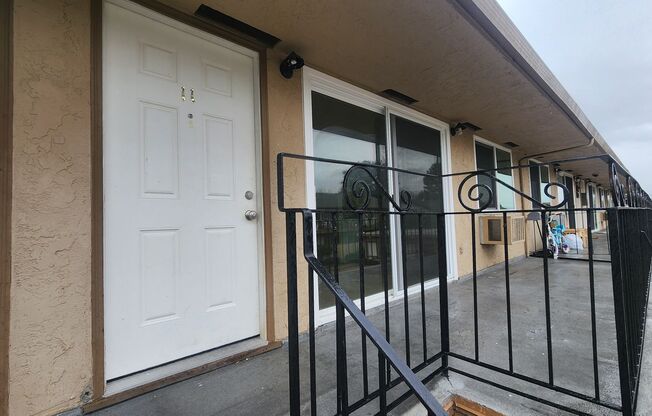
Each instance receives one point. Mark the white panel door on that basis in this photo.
(181, 266)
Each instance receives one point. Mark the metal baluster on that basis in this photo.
(618, 254)
(340, 331)
(382, 384)
(311, 340)
(594, 339)
(384, 273)
(293, 314)
(423, 296)
(475, 288)
(361, 256)
(443, 290)
(405, 290)
(546, 287)
(508, 298)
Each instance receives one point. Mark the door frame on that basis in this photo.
(314, 80)
(225, 37)
(572, 190)
(591, 194)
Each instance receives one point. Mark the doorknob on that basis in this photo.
(251, 215)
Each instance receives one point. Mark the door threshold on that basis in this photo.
(136, 384)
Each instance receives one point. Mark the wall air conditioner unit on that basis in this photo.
(491, 229)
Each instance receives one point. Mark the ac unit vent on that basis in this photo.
(492, 231)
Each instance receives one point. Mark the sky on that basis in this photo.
(601, 51)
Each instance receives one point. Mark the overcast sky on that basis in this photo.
(601, 51)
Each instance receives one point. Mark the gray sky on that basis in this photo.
(601, 51)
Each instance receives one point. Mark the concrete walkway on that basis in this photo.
(259, 386)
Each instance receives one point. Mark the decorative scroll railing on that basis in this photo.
(487, 198)
(629, 194)
(476, 194)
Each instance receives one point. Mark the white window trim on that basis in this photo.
(530, 179)
(565, 174)
(494, 146)
(595, 202)
(313, 80)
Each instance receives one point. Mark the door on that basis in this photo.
(535, 183)
(570, 185)
(417, 148)
(593, 224)
(181, 261)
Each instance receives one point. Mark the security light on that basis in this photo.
(460, 127)
(290, 64)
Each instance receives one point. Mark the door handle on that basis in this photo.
(251, 215)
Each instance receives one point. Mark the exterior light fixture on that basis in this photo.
(460, 127)
(290, 64)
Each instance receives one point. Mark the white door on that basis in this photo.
(181, 265)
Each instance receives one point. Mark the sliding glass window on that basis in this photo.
(497, 163)
(539, 179)
(344, 131)
(418, 149)
(351, 133)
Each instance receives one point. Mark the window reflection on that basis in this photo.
(418, 149)
(346, 132)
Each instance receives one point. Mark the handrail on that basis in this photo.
(484, 196)
(411, 380)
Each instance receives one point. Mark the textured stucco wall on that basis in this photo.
(50, 348)
(285, 134)
(50, 356)
(463, 160)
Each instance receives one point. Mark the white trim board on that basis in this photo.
(494, 146)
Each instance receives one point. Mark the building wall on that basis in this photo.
(285, 117)
(463, 160)
(50, 353)
(50, 349)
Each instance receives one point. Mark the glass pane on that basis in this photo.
(505, 195)
(346, 132)
(535, 183)
(418, 148)
(545, 179)
(484, 157)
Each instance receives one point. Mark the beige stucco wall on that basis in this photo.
(463, 160)
(285, 117)
(50, 355)
(50, 350)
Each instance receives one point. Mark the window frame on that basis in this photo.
(542, 194)
(313, 80)
(494, 146)
(561, 178)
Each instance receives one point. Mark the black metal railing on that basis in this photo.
(630, 230)
(356, 233)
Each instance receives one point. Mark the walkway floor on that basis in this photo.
(259, 386)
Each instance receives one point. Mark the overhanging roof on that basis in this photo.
(463, 60)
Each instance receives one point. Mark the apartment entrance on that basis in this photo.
(181, 233)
